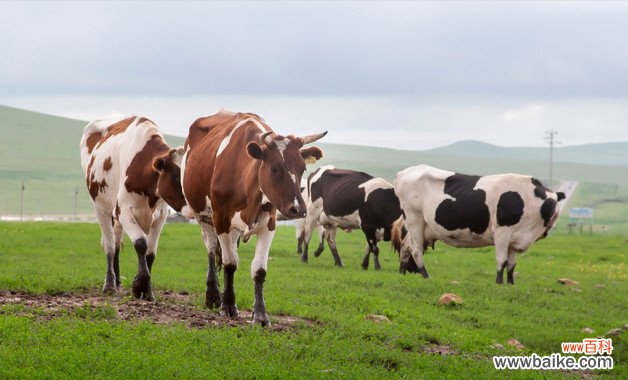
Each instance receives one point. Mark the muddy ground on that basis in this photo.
(171, 307)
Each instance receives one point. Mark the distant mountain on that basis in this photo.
(615, 153)
(42, 151)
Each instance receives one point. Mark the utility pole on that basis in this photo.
(22, 202)
(75, 201)
(551, 139)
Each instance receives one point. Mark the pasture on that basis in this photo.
(319, 311)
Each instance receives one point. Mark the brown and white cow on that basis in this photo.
(236, 173)
(132, 176)
(509, 211)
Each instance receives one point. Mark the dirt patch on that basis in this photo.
(439, 349)
(170, 308)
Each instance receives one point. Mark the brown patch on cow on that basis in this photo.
(143, 119)
(170, 308)
(107, 165)
(93, 186)
(116, 129)
(141, 176)
(92, 140)
(272, 221)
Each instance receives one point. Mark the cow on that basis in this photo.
(132, 176)
(508, 211)
(347, 199)
(236, 173)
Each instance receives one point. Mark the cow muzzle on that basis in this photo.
(294, 212)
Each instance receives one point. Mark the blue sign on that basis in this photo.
(581, 213)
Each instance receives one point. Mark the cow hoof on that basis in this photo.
(317, 253)
(424, 272)
(148, 296)
(109, 289)
(141, 287)
(365, 267)
(262, 319)
(303, 260)
(340, 264)
(212, 298)
(378, 268)
(230, 311)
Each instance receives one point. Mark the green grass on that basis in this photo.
(537, 311)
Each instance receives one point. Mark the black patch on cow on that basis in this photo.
(468, 209)
(509, 208)
(539, 189)
(547, 210)
(340, 191)
(380, 210)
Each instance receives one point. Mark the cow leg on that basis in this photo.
(212, 290)
(416, 229)
(311, 218)
(141, 283)
(512, 262)
(331, 241)
(376, 257)
(502, 241)
(300, 232)
(118, 233)
(159, 219)
(258, 273)
(228, 245)
(108, 244)
(322, 233)
(367, 254)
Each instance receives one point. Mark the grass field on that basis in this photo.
(331, 338)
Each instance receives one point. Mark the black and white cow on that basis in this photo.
(347, 199)
(509, 211)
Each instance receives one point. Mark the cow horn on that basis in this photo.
(264, 138)
(311, 138)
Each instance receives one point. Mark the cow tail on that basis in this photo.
(398, 232)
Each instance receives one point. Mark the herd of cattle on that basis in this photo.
(236, 176)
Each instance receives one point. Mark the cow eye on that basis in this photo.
(274, 169)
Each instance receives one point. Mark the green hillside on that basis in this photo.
(386, 163)
(615, 153)
(42, 151)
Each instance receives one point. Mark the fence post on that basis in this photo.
(75, 201)
(22, 202)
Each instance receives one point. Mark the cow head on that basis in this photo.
(283, 161)
(169, 183)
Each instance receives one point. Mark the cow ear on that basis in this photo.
(159, 164)
(561, 196)
(176, 155)
(311, 155)
(255, 151)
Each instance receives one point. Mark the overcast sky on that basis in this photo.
(408, 75)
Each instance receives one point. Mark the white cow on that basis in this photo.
(509, 211)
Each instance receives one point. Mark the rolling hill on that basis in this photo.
(615, 153)
(42, 151)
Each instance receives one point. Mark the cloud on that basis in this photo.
(502, 49)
